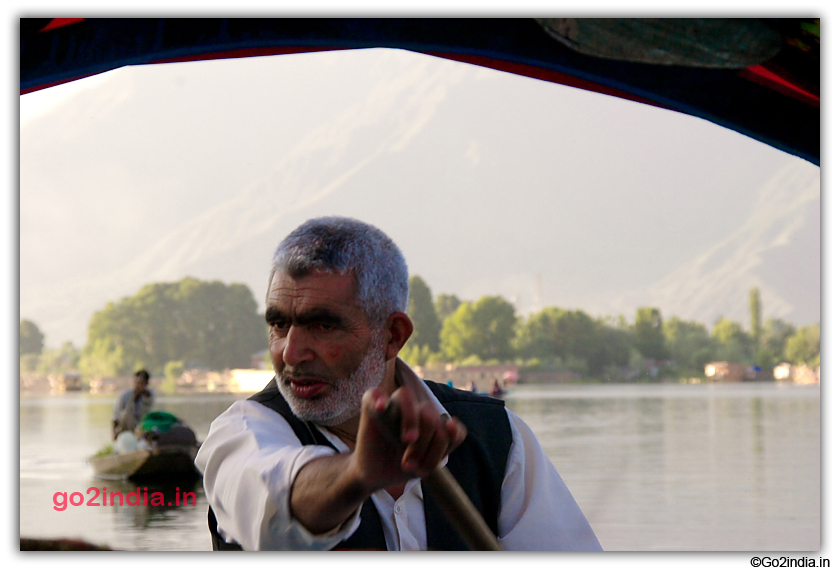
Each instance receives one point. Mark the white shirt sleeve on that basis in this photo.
(538, 511)
(250, 460)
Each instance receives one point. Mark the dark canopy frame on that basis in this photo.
(762, 79)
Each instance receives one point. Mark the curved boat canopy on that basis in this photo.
(759, 77)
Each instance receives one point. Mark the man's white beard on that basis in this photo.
(345, 398)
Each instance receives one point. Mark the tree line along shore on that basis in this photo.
(170, 328)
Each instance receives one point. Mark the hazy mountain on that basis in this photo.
(491, 184)
(777, 249)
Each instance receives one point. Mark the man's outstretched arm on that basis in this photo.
(328, 490)
(251, 459)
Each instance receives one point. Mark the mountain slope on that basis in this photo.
(490, 183)
(776, 246)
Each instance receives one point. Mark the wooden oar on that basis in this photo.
(456, 505)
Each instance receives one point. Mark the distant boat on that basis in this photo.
(497, 391)
(68, 382)
(494, 393)
(166, 462)
(168, 454)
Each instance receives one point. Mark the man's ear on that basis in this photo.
(399, 328)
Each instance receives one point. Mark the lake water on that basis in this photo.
(715, 467)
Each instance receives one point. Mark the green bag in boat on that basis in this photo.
(158, 422)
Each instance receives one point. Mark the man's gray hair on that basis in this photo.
(342, 245)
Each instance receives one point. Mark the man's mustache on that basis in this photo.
(299, 376)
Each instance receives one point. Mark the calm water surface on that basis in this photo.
(654, 467)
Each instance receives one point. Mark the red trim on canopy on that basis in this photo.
(763, 76)
(60, 23)
(246, 52)
(236, 53)
(62, 82)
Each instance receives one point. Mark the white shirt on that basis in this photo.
(251, 457)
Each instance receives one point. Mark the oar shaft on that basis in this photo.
(460, 511)
(454, 502)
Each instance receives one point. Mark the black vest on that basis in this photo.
(478, 464)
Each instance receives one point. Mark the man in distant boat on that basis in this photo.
(133, 405)
(306, 464)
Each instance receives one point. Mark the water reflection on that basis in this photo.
(699, 467)
(686, 467)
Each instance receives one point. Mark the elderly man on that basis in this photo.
(304, 464)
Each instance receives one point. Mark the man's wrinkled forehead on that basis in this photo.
(310, 271)
(300, 270)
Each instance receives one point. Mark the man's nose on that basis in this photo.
(297, 348)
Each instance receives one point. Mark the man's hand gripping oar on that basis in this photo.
(459, 510)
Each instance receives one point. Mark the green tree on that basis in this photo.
(445, 305)
(218, 324)
(776, 333)
(173, 369)
(31, 338)
(804, 346)
(101, 357)
(58, 361)
(484, 329)
(29, 362)
(207, 323)
(649, 338)
(423, 315)
(614, 348)
(416, 356)
(733, 343)
(571, 335)
(689, 344)
(755, 317)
